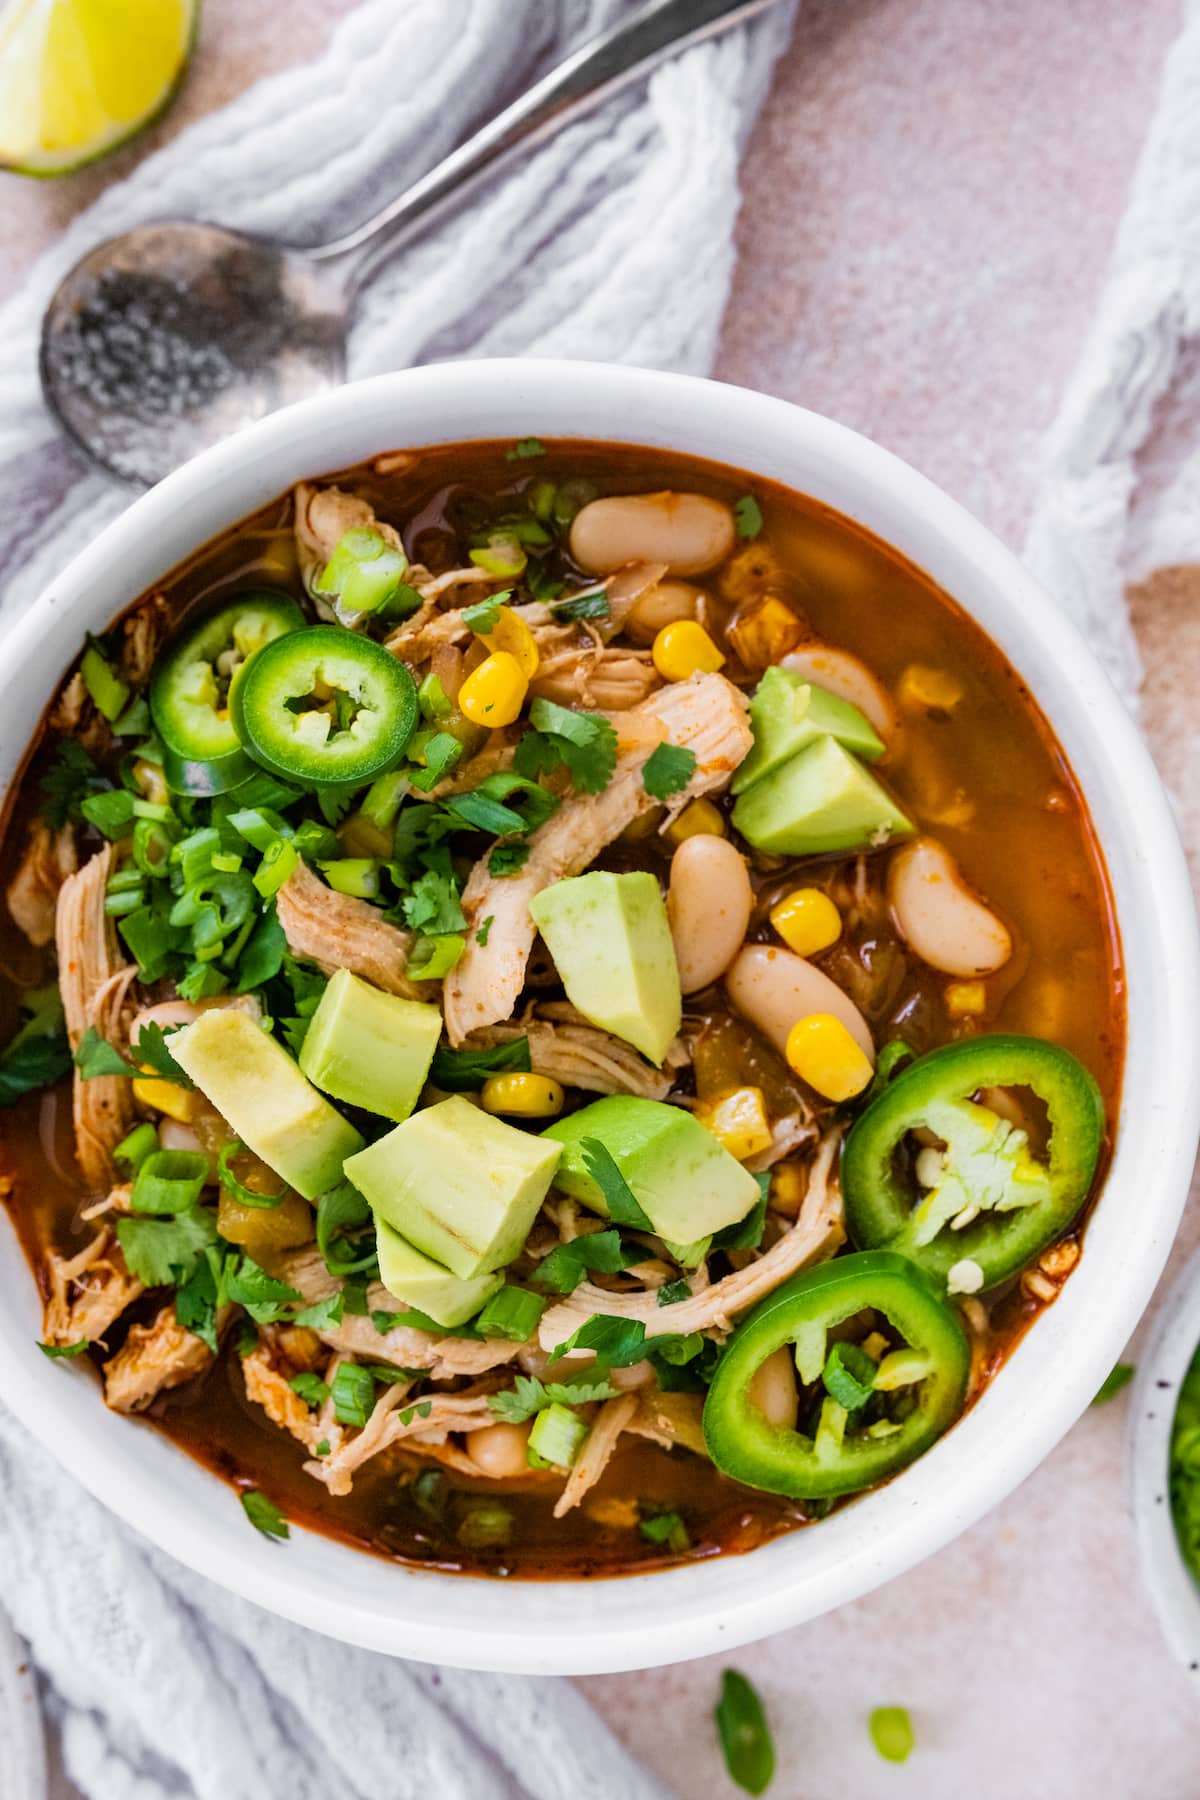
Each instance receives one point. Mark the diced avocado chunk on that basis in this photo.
(787, 714)
(260, 1092)
(370, 1049)
(611, 943)
(819, 801)
(686, 1183)
(423, 1283)
(459, 1184)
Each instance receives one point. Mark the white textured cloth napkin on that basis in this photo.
(613, 242)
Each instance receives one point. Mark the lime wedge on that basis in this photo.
(79, 77)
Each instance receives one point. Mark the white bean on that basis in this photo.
(688, 532)
(709, 903)
(773, 1387)
(845, 675)
(939, 917)
(661, 605)
(775, 989)
(499, 1450)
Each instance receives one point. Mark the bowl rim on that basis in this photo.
(576, 1627)
(1173, 1341)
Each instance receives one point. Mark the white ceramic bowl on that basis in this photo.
(603, 1625)
(1161, 1368)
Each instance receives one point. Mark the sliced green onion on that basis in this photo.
(433, 957)
(238, 1189)
(109, 693)
(117, 905)
(124, 879)
(169, 1181)
(557, 1436)
(311, 1389)
(439, 753)
(135, 721)
(194, 854)
(260, 826)
(512, 1313)
(153, 809)
(485, 1526)
(152, 846)
(434, 703)
(134, 1149)
(745, 1734)
(892, 1733)
(353, 1394)
(502, 556)
(849, 1375)
(365, 572)
(226, 862)
(667, 1528)
(354, 875)
(541, 499)
(278, 863)
(382, 800)
(571, 497)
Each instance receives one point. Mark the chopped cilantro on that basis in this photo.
(621, 1203)
(482, 932)
(306, 986)
(591, 604)
(71, 777)
(508, 858)
(264, 1298)
(484, 616)
(566, 1265)
(462, 1071)
(55, 1351)
(322, 1314)
(38, 1053)
(165, 1251)
(322, 1448)
(525, 448)
(617, 1342)
(263, 1514)
(747, 514)
(584, 742)
(311, 1389)
(672, 1292)
(666, 1528)
(528, 1395)
(667, 770)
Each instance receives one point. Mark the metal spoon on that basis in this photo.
(167, 338)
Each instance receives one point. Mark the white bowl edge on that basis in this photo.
(584, 1627)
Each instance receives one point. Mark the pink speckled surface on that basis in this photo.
(930, 198)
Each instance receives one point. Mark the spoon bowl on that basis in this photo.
(164, 340)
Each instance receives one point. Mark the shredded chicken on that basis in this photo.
(94, 983)
(74, 715)
(563, 1046)
(705, 714)
(403, 1346)
(336, 931)
(796, 1131)
(141, 639)
(88, 1291)
(396, 1417)
(48, 859)
(816, 1234)
(268, 1385)
(611, 680)
(613, 1418)
(670, 1420)
(153, 1358)
(118, 1200)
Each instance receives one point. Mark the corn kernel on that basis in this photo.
(922, 689)
(738, 1120)
(494, 693)
(167, 1097)
(965, 998)
(512, 635)
(807, 921)
(821, 1052)
(699, 819)
(789, 1184)
(522, 1096)
(684, 649)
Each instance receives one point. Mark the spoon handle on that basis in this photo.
(591, 74)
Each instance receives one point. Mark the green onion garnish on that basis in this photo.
(134, 1149)
(108, 692)
(512, 1313)
(353, 1393)
(169, 1181)
(892, 1733)
(485, 1526)
(849, 1375)
(745, 1735)
(557, 1436)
